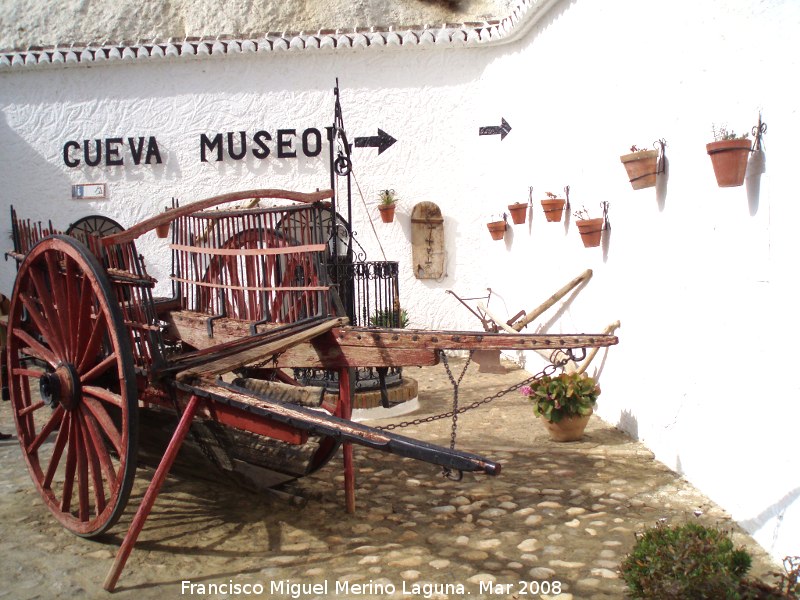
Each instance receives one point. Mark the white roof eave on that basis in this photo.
(462, 35)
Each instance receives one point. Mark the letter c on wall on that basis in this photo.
(67, 160)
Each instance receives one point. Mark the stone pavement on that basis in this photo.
(556, 522)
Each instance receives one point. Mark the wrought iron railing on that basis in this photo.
(370, 296)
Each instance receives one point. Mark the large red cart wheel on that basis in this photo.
(73, 385)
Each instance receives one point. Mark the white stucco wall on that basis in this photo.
(701, 278)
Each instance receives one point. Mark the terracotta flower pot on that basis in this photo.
(569, 429)
(497, 229)
(729, 159)
(162, 231)
(387, 212)
(553, 209)
(519, 212)
(641, 167)
(591, 231)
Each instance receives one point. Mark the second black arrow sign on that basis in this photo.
(494, 130)
(381, 141)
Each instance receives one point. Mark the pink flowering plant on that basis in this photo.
(563, 396)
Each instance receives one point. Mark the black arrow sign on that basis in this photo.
(494, 130)
(381, 141)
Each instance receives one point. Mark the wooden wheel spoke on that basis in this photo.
(96, 438)
(84, 314)
(55, 457)
(34, 348)
(29, 409)
(69, 470)
(99, 328)
(47, 302)
(72, 304)
(100, 368)
(95, 470)
(83, 469)
(40, 322)
(102, 394)
(27, 372)
(52, 423)
(57, 285)
(106, 424)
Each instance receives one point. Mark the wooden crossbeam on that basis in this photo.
(271, 344)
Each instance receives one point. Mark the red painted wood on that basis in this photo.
(151, 494)
(64, 313)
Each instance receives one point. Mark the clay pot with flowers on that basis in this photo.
(641, 167)
(564, 403)
(388, 199)
(591, 230)
(553, 207)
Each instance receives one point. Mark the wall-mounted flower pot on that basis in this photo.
(553, 209)
(162, 230)
(497, 229)
(387, 212)
(518, 212)
(641, 167)
(591, 230)
(729, 159)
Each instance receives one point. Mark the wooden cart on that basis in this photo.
(91, 355)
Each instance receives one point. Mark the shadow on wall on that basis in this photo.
(775, 510)
(662, 179)
(756, 166)
(629, 424)
(31, 184)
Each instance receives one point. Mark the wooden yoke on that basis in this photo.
(164, 218)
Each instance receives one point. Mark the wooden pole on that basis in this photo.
(151, 494)
(552, 356)
(582, 278)
(585, 364)
(347, 447)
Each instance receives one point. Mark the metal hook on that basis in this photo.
(606, 223)
(574, 358)
(660, 145)
(758, 131)
(448, 474)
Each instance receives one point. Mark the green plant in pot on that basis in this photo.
(564, 402)
(388, 199)
(389, 318)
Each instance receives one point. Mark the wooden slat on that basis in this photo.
(226, 364)
(135, 231)
(249, 251)
(254, 288)
(467, 340)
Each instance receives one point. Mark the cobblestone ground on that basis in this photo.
(556, 522)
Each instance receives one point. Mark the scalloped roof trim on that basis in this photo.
(447, 35)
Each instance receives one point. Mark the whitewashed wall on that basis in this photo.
(701, 278)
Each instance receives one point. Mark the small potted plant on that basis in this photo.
(497, 227)
(641, 166)
(729, 153)
(519, 212)
(591, 230)
(388, 200)
(553, 207)
(564, 402)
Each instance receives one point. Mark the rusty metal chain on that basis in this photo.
(548, 370)
(446, 472)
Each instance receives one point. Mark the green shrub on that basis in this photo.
(683, 562)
